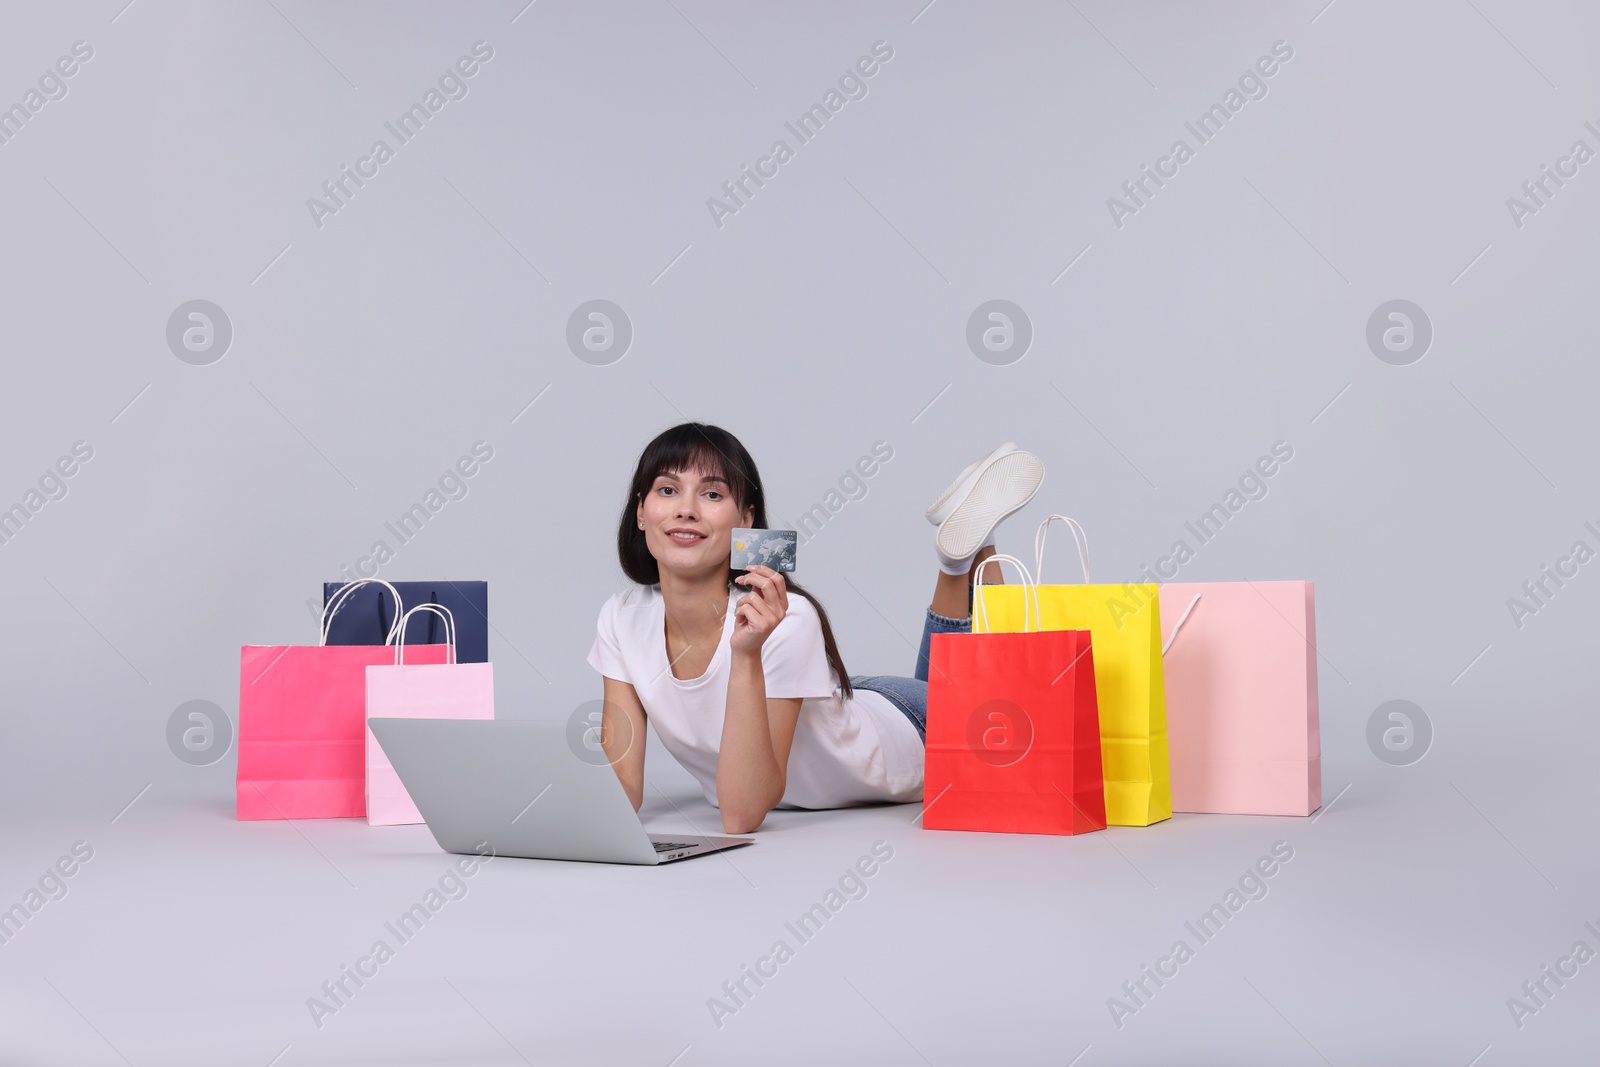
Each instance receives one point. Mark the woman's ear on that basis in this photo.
(749, 517)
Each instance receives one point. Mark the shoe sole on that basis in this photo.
(977, 465)
(1003, 487)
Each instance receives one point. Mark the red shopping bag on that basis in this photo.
(302, 726)
(1013, 741)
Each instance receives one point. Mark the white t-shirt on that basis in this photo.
(845, 751)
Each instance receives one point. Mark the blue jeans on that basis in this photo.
(910, 695)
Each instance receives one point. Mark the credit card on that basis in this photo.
(769, 548)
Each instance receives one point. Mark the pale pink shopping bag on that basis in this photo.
(401, 690)
(1241, 673)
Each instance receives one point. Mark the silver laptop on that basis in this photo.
(515, 785)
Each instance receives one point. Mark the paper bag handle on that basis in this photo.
(1027, 588)
(1181, 620)
(449, 631)
(1078, 535)
(337, 601)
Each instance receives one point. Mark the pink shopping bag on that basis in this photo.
(1241, 672)
(401, 690)
(302, 711)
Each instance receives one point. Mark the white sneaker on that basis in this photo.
(941, 508)
(987, 492)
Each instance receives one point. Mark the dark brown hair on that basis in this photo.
(697, 446)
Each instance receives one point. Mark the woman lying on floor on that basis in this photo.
(755, 702)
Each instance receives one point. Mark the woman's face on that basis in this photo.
(688, 519)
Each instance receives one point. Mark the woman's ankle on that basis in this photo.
(952, 596)
(994, 575)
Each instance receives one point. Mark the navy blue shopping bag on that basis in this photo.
(368, 612)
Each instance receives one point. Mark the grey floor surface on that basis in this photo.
(1395, 934)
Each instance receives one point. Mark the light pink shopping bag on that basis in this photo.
(401, 690)
(1241, 673)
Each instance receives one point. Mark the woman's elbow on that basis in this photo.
(739, 817)
(741, 822)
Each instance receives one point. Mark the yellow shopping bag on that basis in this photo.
(1124, 622)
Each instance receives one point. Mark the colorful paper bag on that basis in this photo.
(302, 715)
(1013, 742)
(1242, 721)
(1125, 624)
(400, 690)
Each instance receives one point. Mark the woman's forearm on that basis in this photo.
(749, 780)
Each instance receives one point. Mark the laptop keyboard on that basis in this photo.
(668, 846)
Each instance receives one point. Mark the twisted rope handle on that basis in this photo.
(1181, 620)
(449, 631)
(1079, 536)
(1027, 588)
(343, 594)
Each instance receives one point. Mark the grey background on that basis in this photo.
(828, 314)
